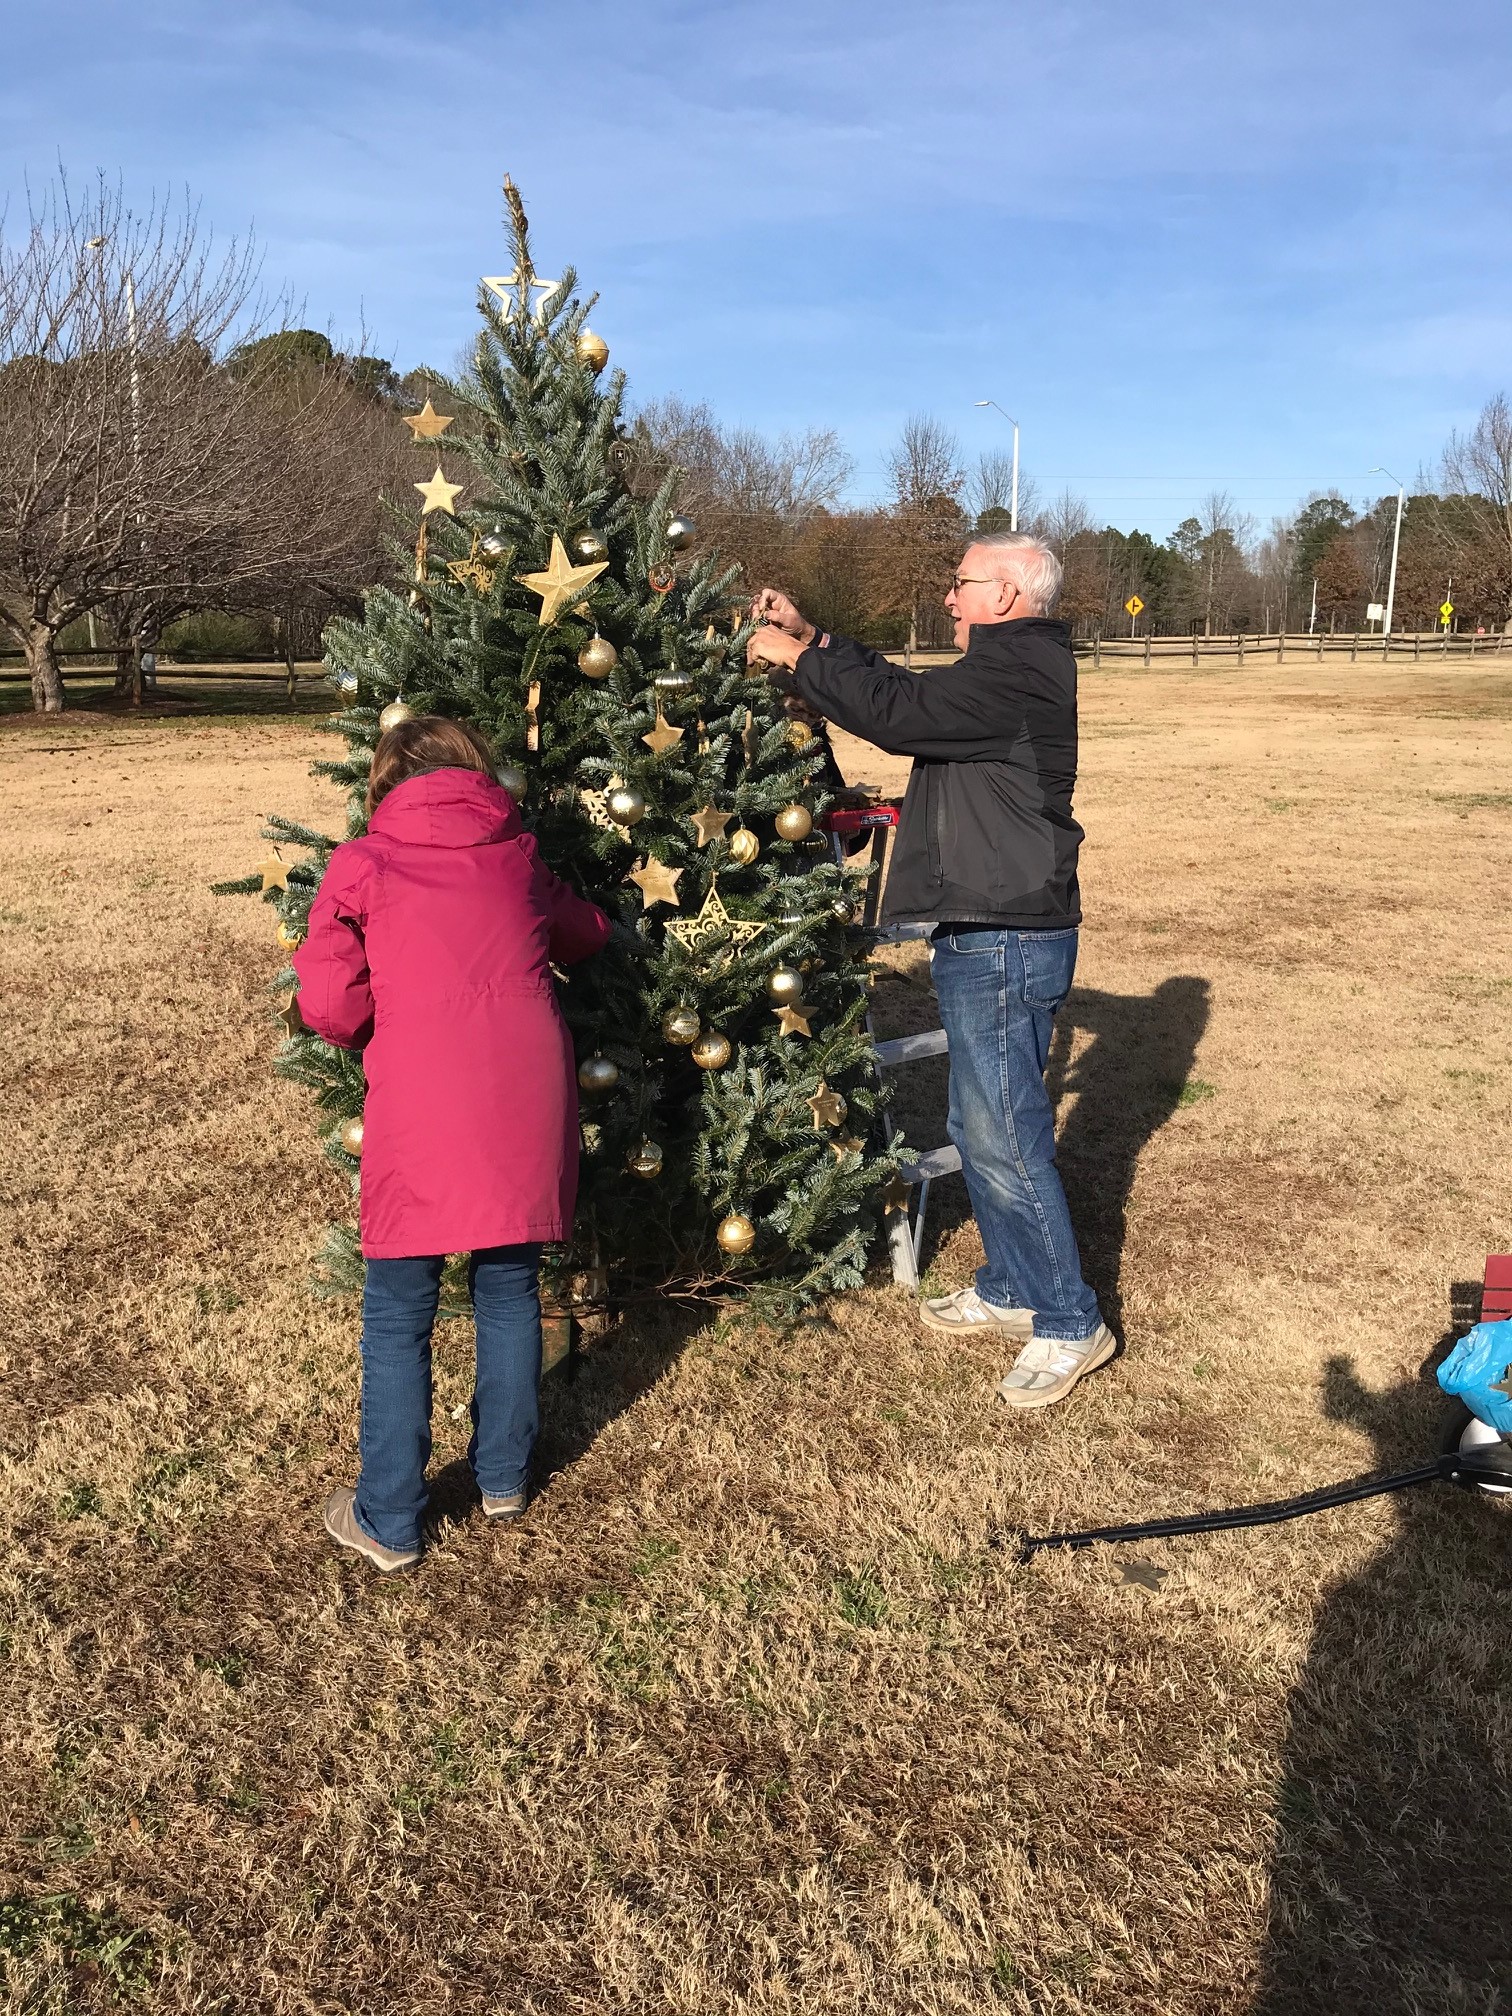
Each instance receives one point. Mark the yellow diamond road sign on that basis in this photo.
(1446, 610)
(1134, 605)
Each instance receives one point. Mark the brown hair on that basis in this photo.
(425, 742)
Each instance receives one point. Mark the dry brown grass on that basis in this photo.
(751, 1715)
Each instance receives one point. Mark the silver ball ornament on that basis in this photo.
(590, 545)
(681, 1026)
(513, 779)
(645, 1160)
(625, 805)
(681, 532)
(598, 1074)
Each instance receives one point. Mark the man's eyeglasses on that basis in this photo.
(981, 580)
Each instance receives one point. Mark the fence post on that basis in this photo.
(1320, 647)
(1354, 647)
(1097, 651)
(1194, 647)
(1147, 647)
(1241, 647)
(1280, 645)
(1417, 645)
(1472, 643)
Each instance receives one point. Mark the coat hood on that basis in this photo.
(447, 808)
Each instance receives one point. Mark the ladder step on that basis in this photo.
(937, 1162)
(907, 1049)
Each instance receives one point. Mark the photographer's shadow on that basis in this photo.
(1128, 1081)
(1392, 1861)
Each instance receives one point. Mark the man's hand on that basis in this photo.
(771, 646)
(772, 607)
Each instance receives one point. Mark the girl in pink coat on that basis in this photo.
(428, 950)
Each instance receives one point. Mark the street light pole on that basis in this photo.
(1013, 511)
(1396, 541)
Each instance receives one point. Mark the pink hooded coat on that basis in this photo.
(428, 944)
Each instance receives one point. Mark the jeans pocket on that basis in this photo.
(984, 944)
(1049, 961)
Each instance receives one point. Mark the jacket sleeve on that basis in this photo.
(935, 714)
(335, 987)
(578, 928)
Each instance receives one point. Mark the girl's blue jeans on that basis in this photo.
(998, 993)
(398, 1314)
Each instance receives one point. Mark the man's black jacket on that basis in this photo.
(986, 835)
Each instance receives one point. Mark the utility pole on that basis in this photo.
(1013, 508)
(1396, 541)
(1312, 614)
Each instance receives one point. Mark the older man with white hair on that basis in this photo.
(986, 854)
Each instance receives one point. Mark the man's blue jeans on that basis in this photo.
(398, 1313)
(998, 993)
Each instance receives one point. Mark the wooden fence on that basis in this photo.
(1292, 644)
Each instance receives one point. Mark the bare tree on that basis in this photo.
(989, 492)
(109, 442)
(1064, 520)
(926, 527)
(1479, 464)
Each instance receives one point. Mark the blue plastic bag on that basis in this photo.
(1479, 1362)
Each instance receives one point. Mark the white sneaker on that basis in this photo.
(1046, 1369)
(965, 1310)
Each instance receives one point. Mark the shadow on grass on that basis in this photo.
(582, 1397)
(92, 699)
(1128, 1081)
(1390, 1870)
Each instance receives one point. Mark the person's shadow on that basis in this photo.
(1128, 1079)
(1391, 1874)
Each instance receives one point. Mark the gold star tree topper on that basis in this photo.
(712, 927)
(439, 495)
(559, 583)
(428, 424)
(656, 882)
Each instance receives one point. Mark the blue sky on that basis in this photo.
(1190, 247)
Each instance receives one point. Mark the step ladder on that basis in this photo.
(905, 1229)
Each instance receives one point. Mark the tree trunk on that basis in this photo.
(125, 658)
(46, 673)
(284, 632)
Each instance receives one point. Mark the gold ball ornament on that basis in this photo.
(785, 986)
(625, 805)
(681, 532)
(598, 1074)
(736, 1234)
(744, 846)
(349, 1134)
(800, 736)
(795, 822)
(513, 779)
(289, 936)
(598, 658)
(712, 1051)
(396, 712)
(645, 1160)
(590, 545)
(592, 351)
(681, 1026)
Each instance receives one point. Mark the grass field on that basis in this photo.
(752, 1714)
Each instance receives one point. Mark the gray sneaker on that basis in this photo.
(504, 1509)
(340, 1520)
(1048, 1367)
(966, 1311)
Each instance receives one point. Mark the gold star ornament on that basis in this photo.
(274, 871)
(560, 583)
(847, 1144)
(428, 424)
(713, 930)
(656, 882)
(792, 1022)
(710, 825)
(290, 1016)
(439, 495)
(663, 736)
(827, 1107)
(894, 1194)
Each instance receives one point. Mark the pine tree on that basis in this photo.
(729, 1109)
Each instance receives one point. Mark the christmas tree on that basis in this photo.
(728, 1109)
